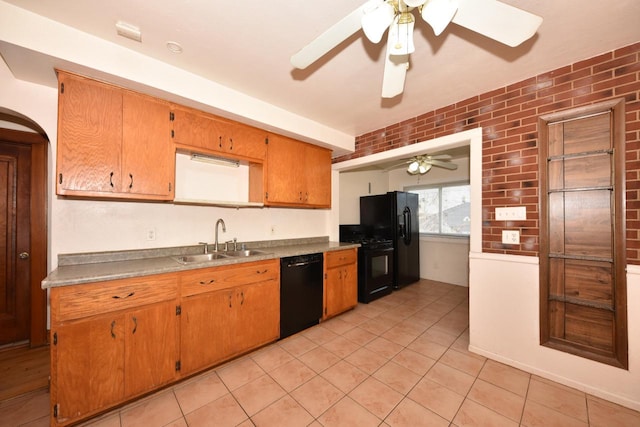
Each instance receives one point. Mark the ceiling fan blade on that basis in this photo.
(441, 164)
(395, 72)
(332, 37)
(496, 20)
(440, 157)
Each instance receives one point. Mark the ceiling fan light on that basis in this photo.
(375, 22)
(438, 14)
(414, 3)
(424, 168)
(401, 32)
(413, 167)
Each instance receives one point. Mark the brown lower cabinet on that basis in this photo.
(341, 281)
(117, 340)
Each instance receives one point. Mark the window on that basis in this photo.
(444, 209)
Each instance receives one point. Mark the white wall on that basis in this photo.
(504, 326)
(353, 185)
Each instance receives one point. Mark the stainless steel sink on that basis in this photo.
(244, 253)
(188, 259)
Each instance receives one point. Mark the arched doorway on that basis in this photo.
(23, 231)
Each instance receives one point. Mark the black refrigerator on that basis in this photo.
(394, 216)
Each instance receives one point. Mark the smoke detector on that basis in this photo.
(129, 31)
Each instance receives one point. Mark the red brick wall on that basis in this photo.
(509, 120)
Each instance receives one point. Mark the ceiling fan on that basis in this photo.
(423, 163)
(491, 18)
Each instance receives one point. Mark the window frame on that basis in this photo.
(440, 186)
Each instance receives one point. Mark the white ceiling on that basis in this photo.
(246, 46)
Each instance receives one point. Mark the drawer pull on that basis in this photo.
(242, 298)
(262, 272)
(124, 297)
(207, 283)
(113, 325)
(135, 325)
(230, 300)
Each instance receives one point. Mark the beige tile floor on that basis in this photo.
(400, 361)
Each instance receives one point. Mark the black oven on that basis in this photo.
(375, 262)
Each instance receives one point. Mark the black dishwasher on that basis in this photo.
(301, 288)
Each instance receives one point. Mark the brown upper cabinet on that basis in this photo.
(202, 132)
(112, 143)
(297, 174)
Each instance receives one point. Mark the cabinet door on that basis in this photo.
(151, 349)
(196, 129)
(89, 136)
(148, 157)
(341, 289)
(206, 330)
(246, 141)
(88, 366)
(317, 176)
(285, 171)
(257, 315)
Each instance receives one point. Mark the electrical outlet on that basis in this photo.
(511, 237)
(151, 234)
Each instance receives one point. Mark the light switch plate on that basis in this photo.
(515, 213)
(511, 237)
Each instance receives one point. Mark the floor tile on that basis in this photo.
(410, 414)
(297, 345)
(414, 361)
(607, 414)
(317, 395)
(504, 376)
(383, 347)
(375, 396)
(338, 325)
(462, 362)
(341, 347)
(366, 360)
(359, 336)
(472, 414)
(397, 377)
(285, 412)
(223, 412)
(271, 357)
(319, 359)
(157, 411)
(200, 391)
(344, 376)
(258, 394)
(537, 415)
(451, 378)
(292, 374)
(497, 399)
(427, 347)
(348, 413)
(436, 398)
(239, 372)
(567, 402)
(319, 334)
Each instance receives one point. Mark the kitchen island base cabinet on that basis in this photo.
(341, 282)
(107, 349)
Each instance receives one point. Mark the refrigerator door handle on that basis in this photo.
(407, 225)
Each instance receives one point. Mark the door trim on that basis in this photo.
(38, 230)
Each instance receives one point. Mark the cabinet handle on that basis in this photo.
(339, 274)
(135, 325)
(207, 283)
(220, 142)
(230, 300)
(131, 184)
(242, 298)
(124, 297)
(111, 179)
(262, 272)
(113, 325)
(300, 196)
(230, 143)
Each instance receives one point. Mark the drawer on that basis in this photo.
(78, 301)
(216, 278)
(336, 258)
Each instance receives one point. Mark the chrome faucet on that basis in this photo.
(224, 230)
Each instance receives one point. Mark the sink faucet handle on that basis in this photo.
(206, 246)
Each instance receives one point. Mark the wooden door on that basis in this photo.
(196, 129)
(582, 255)
(15, 167)
(148, 157)
(257, 315)
(247, 141)
(89, 136)
(150, 347)
(206, 327)
(23, 237)
(88, 366)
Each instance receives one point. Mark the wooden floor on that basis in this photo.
(23, 369)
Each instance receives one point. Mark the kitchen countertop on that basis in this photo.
(74, 269)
